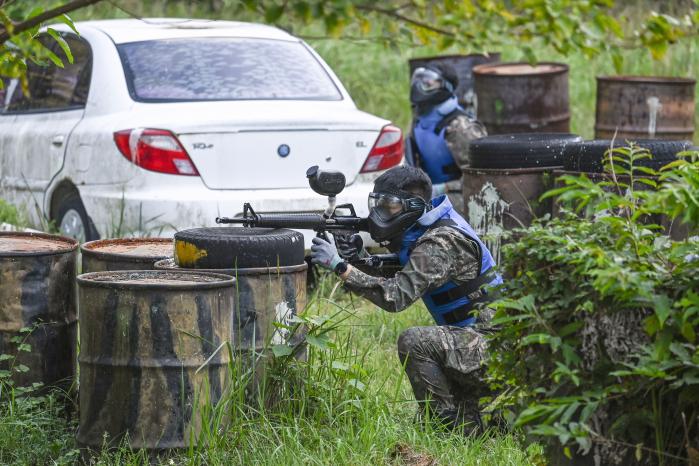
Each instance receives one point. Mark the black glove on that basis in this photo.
(350, 246)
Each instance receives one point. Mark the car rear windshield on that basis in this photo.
(181, 70)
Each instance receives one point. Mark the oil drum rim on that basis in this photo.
(669, 80)
(71, 244)
(86, 280)
(87, 249)
(237, 272)
(454, 55)
(479, 70)
(511, 171)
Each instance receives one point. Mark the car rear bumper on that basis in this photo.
(124, 210)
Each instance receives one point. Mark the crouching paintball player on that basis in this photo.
(444, 263)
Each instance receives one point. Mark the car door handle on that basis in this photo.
(57, 140)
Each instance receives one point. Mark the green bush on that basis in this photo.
(8, 213)
(598, 340)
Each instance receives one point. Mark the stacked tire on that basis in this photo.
(507, 175)
(593, 155)
(523, 150)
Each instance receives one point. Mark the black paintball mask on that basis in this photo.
(429, 87)
(393, 212)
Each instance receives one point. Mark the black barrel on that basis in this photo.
(37, 307)
(152, 355)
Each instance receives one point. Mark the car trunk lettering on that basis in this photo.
(274, 159)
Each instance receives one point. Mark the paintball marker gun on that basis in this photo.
(325, 183)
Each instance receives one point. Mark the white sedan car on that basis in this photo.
(164, 124)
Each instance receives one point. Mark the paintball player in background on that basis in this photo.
(444, 263)
(441, 130)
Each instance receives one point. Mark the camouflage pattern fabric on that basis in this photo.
(445, 368)
(458, 136)
(440, 255)
(443, 363)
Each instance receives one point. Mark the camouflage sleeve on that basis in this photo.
(458, 135)
(441, 254)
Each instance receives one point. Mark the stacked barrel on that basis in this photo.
(525, 109)
(159, 319)
(38, 312)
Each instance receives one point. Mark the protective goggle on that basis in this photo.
(428, 80)
(388, 206)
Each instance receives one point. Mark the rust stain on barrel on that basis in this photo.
(644, 107)
(37, 291)
(124, 254)
(151, 355)
(521, 98)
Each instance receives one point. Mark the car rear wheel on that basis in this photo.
(72, 220)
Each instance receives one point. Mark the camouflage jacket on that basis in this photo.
(440, 255)
(459, 134)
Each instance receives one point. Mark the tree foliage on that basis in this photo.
(589, 27)
(598, 346)
(19, 35)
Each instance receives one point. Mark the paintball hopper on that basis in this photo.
(325, 183)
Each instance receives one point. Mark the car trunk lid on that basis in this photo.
(262, 159)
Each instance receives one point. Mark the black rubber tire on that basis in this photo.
(231, 247)
(591, 156)
(523, 150)
(71, 201)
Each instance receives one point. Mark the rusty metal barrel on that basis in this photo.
(521, 98)
(644, 107)
(264, 295)
(463, 65)
(37, 292)
(124, 254)
(497, 200)
(152, 355)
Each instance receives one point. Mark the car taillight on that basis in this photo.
(387, 151)
(157, 150)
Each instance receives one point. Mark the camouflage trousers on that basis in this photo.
(445, 367)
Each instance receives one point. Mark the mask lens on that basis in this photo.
(427, 80)
(386, 205)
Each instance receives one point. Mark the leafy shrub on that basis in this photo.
(8, 213)
(598, 339)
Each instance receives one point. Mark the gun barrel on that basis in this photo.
(303, 221)
(300, 221)
(232, 220)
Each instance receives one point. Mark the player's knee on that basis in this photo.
(408, 341)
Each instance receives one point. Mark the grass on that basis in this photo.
(334, 423)
(353, 407)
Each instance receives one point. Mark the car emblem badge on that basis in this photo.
(283, 150)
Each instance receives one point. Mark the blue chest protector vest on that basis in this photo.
(451, 303)
(435, 157)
